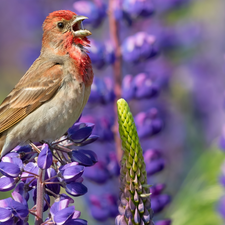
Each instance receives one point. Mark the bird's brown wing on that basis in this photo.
(37, 86)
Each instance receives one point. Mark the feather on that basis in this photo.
(30, 93)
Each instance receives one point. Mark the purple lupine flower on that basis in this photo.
(7, 183)
(102, 91)
(84, 157)
(98, 173)
(96, 53)
(54, 174)
(103, 207)
(76, 189)
(128, 89)
(18, 210)
(97, 211)
(112, 164)
(62, 213)
(154, 161)
(9, 169)
(144, 86)
(159, 202)
(117, 9)
(95, 11)
(140, 46)
(148, 123)
(79, 132)
(45, 157)
(71, 172)
(109, 53)
(138, 8)
(103, 127)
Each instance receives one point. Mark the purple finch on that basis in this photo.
(51, 95)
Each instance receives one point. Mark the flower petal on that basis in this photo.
(9, 169)
(76, 189)
(7, 183)
(5, 215)
(45, 157)
(63, 215)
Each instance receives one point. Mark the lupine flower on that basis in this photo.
(102, 91)
(135, 205)
(103, 126)
(103, 207)
(95, 11)
(148, 123)
(138, 8)
(154, 161)
(103, 170)
(56, 165)
(128, 88)
(139, 47)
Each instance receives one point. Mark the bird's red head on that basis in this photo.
(63, 28)
(64, 35)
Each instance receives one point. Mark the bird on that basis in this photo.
(51, 95)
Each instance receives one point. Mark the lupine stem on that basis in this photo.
(40, 197)
(117, 73)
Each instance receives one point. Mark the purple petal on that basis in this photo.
(9, 156)
(154, 161)
(45, 157)
(76, 189)
(90, 154)
(64, 196)
(22, 189)
(4, 203)
(159, 202)
(19, 209)
(89, 140)
(5, 215)
(7, 183)
(63, 215)
(9, 169)
(24, 149)
(76, 214)
(128, 87)
(79, 135)
(81, 158)
(72, 173)
(76, 222)
(97, 173)
(18, 197)
(30, 167)
(157, 189)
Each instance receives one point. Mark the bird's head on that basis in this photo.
(63, 28)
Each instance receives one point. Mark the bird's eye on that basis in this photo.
(60, 25)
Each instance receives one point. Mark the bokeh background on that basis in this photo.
(184, 63)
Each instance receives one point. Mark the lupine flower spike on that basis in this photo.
(135, 205)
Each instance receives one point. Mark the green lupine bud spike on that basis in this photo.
(135, 200)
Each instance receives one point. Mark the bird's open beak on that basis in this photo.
(77, 27)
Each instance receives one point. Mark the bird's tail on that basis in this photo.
(2, 141)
